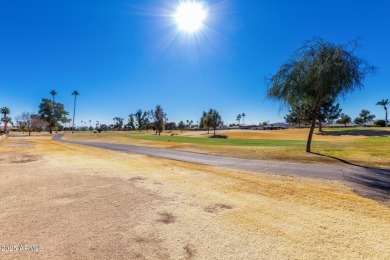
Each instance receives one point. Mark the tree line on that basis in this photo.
(157, 120)
(50, 115)
(140, 120)
(329, 113)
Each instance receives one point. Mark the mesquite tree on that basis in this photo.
(318, 71)
(159, 119)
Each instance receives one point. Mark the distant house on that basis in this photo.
(9, 128)
(245, 127)
(256, 127)
(275, 126)
(340, 125)
(370, 124)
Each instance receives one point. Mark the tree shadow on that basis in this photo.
(373, 183)
(350, 163)
(357, 132)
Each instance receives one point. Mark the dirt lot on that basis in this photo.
(79, 202)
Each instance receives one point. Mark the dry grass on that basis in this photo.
(289, 134)
(81, 202)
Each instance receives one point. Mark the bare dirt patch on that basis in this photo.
(24, 158)
(190, 251)
(167, 218)
(137, 178)
(216, 208)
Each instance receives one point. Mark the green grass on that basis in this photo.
(364, 151)
(376, 142)
(360, 128)
(221, 141)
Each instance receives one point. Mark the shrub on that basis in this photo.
(219, 136)
(380, 123)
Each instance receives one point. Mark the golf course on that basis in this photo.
(89, 202)
(194, 130)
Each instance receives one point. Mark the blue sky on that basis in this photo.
(124, 55)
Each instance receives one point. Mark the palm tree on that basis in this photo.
(316, 72)
(243, 117)
(75, 93)
(238, 119)
(384, 103)
(53, 93)
(5, 111)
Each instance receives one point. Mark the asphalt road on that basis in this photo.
(369, 182)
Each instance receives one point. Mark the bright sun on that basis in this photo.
(190, 16)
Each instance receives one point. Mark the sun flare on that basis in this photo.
(190, 16)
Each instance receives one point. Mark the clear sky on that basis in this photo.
(122, 55)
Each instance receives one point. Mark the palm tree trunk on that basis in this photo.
(313, 125)
(51, 129)
(320, 126)
(5, 123)
(386, 117)
(74, 112)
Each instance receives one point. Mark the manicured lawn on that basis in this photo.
(221, 141)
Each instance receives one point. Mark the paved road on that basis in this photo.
(369, 182)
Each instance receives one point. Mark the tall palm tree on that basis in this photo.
(53, 93)
(243, 117)
(384, 103)
(238, 119)
(5, 111)
(75, 93)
